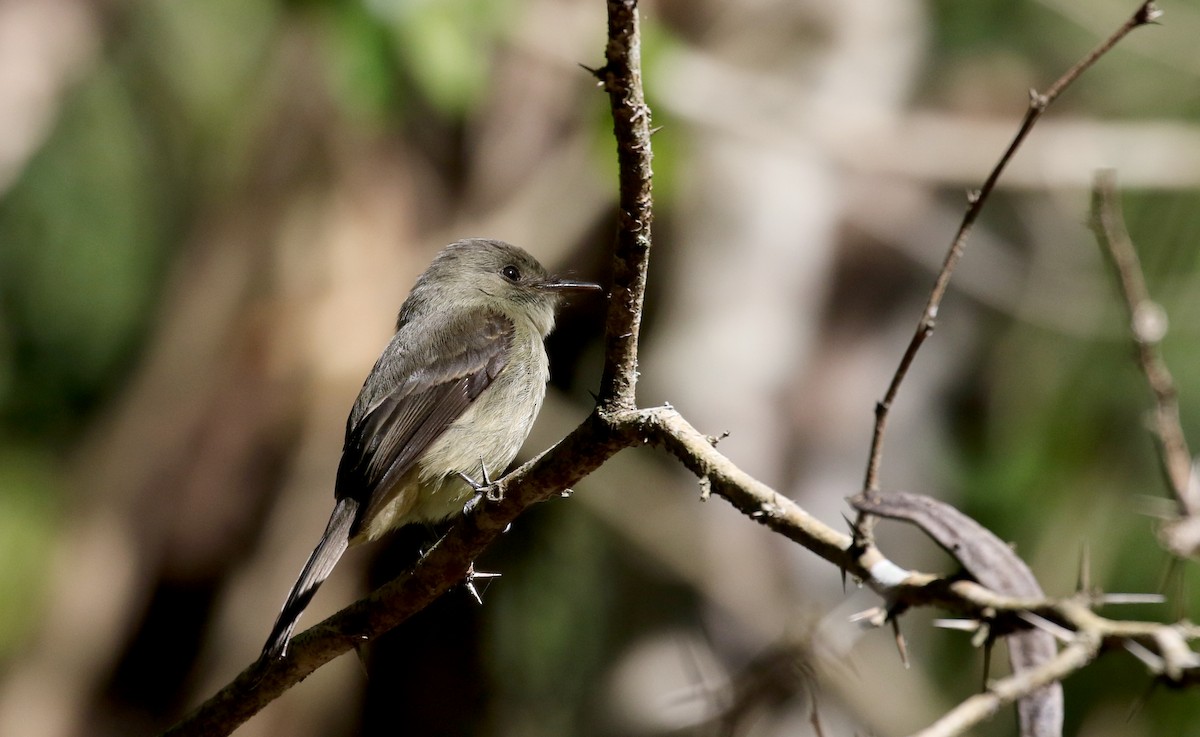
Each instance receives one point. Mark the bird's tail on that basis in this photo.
(320, 564)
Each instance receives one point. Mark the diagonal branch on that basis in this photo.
(1081, 651)
(1146, 13)
(442, 568)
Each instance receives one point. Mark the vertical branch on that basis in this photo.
(1148, 325)
(622, 80)
(1146, 13)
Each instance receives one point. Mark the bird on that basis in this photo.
(453, 395)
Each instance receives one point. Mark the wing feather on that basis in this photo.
(430, 393)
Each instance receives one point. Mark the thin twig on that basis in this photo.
(1146, 13)
(981, 706)
(1148, 325)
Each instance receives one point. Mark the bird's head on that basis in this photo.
(500, 276)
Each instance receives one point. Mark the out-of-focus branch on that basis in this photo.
(1087, 635)
(1081, 651)
(1148, 325)
(1147, 12)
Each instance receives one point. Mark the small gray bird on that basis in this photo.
(453, 396)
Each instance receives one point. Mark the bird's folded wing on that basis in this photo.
(391, 437)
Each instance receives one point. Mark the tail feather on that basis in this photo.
(320, 564)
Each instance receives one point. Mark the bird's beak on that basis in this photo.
(569, 285)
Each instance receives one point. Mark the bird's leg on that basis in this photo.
(487, 489)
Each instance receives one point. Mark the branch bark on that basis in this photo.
(622, 80)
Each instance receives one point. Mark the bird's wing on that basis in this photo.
(430, 395)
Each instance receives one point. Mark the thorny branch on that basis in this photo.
(617, 423)
(621, 78)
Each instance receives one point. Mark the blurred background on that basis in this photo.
(210, 212)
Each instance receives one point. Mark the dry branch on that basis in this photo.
(621, 77)
(1081, 651)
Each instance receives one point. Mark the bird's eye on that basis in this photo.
(512, 273)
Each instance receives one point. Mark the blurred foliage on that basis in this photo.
(359, 63)
(81, 262)
(1031, 42)
(548, 629)
(29, 513)
(447, 46)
